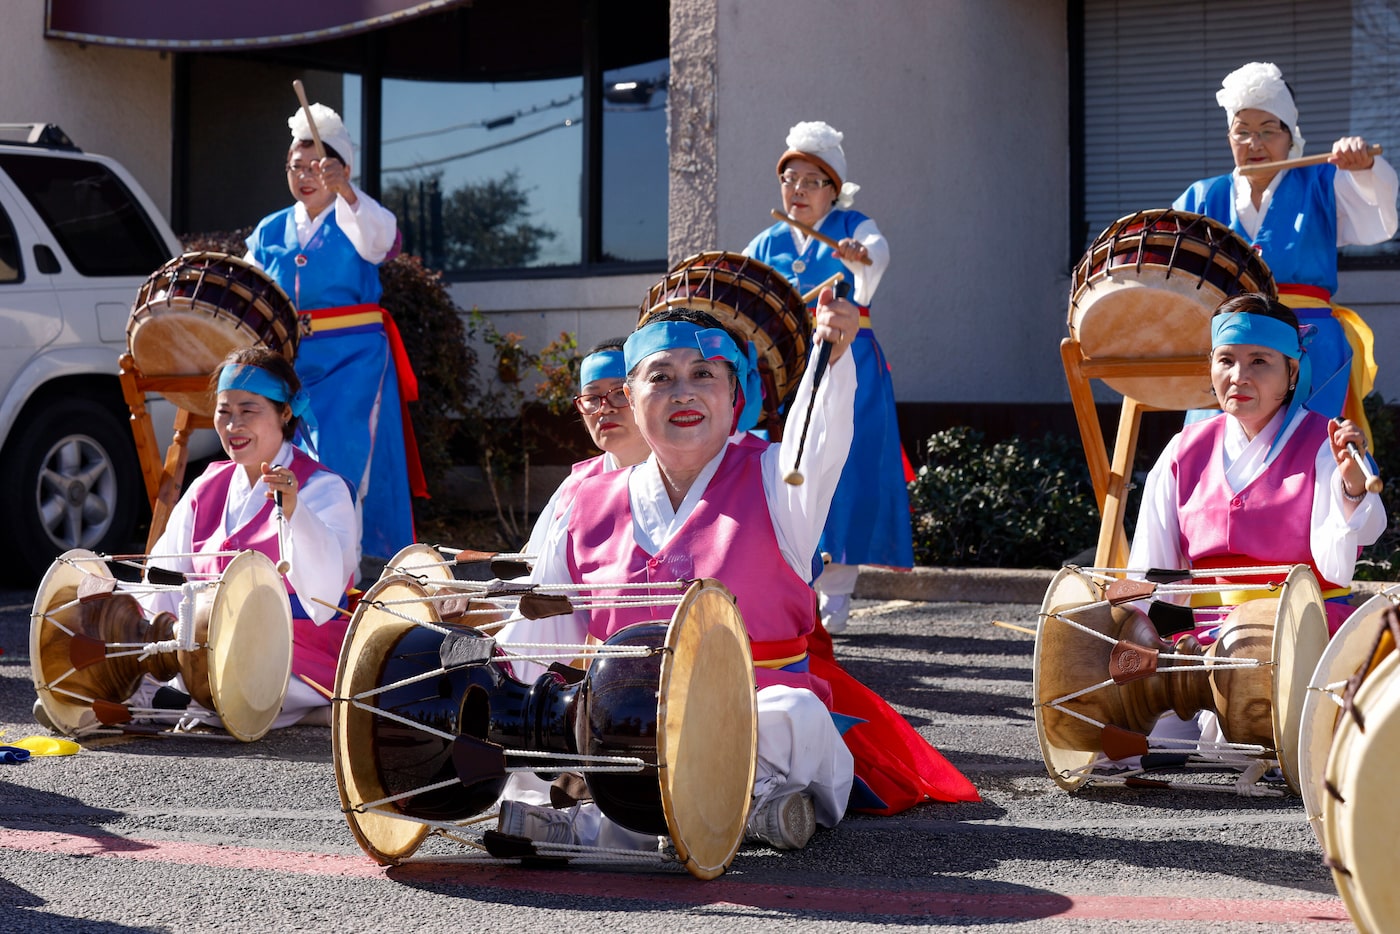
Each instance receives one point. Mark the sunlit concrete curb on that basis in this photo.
(965, 585)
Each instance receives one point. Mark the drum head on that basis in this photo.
(250, 646)
(1300, 637)
(707, 729)
(1070, 588)
(1361, 823)
(421, 561)
(372, 634)
(1346, 652)
(59, 586)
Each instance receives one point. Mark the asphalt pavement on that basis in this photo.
(190, 834)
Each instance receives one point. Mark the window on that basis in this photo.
(9, 250)
(91, 213)
(1151, 126)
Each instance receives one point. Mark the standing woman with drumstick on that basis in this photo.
(234, 506)
(1296, 217)
(869, 518)
(324, 251)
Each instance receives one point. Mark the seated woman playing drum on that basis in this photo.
(231, 508)
(603, 405)
(1270, 483)
(702, 507)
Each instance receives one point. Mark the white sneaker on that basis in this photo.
(536, 822)
(785, 823)
(835, 610)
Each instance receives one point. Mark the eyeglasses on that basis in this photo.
(592, 402)
(799, 182)
(1265, 137)
(300, 168)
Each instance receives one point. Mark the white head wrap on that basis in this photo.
(1259, 86)
(329, 126)
(818, 142)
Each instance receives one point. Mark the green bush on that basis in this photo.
(1011, 504)
(1382, 560)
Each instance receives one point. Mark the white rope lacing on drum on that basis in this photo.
(1200, 662)
(1117, 573)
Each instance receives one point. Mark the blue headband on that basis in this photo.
(255, 379)
(605, 364)
(713, 344)
(1241, 327)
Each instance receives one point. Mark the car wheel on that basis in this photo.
(73, 481)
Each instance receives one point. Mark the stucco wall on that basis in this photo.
(111, 101)
(956, 129)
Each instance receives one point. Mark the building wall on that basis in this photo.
(110, 101)
(956, 127)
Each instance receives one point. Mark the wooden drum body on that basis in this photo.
(427, 725)
(752, 299)
(1099, 688)
(196, 309)
(90, 645)
(1146, 289)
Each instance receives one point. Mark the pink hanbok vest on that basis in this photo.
(729, 537)
(1269, 522)
(315, 649)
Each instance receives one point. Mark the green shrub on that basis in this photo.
(1011, 504)
(1381, 561)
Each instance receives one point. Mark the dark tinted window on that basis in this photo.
(9, 250)
(94, 217)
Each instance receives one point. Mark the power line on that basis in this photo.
(441, 160)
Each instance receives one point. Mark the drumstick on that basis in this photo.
(284, 567)
(1374, 484)
(1262, 167)
(794, 476)
(828, 284)
(812, 232)
(1013, 626)
(306, 109)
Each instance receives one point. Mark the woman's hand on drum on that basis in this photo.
(1341, 433)
(335, 179)
(1349, 153)
(852, 250)
(281, 480)
(837, 322)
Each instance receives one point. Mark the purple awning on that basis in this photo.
(182, 25)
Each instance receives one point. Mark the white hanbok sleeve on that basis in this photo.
(369, 225)
(323, 536)
(867, 278)
(1157, 537)
(171, 553)
(1335, 535)
(1366, 204)
(799, 511)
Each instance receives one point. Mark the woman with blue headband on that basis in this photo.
(607, 415)
(701, 506)
(230, 508)
(1270, 483)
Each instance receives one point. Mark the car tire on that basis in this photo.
(72, 480)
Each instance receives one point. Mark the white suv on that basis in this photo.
(78, 238)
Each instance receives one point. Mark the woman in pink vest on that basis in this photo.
(700, 506)
(230, 509)
(1270, 483)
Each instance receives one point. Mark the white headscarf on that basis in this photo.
(818, 142)
(1259, 86)
(330, 127)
